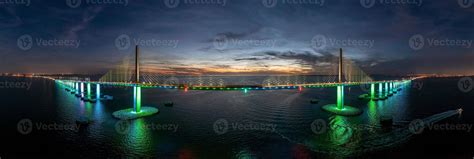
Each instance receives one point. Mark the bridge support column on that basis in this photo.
(380, 94)
(88, 90)
(137, 99)
(391, 87)
(386, 89)
(372, 91)
(340, 97)
(137, 111)
(97, 91)
(340, 108)
(82, 89)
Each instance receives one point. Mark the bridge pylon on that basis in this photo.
(340, 108)
(137, 111)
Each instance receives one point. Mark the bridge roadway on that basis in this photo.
(231, 87)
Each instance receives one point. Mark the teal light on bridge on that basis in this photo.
(386, 89)
(372, 91)
(340, 97)
(76, 86)
(88, 89)
(137, 99)
(97, 91)
(82, 89)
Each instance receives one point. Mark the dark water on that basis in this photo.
(260, 124)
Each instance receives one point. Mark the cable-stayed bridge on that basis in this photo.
(129, 74)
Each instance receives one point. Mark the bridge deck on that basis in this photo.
(231, 87)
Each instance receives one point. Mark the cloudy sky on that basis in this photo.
(237, 36)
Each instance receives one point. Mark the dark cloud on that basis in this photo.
(252, 58)
(293, 26)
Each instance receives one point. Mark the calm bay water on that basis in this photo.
(234, 124)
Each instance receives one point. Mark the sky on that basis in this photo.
(237, 36)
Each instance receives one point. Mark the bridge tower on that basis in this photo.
(340, 108)
(340, 66)
(340, 87)
(137, 91)
(137, 111)
(137, 65)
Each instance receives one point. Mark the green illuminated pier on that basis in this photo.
(340, 108)
(137, 111)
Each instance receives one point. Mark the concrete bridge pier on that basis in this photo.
(372, 91)
(137, 111)
(88, 90)
(340, 108)
(137, 99)
(82, 89)
(380, 94)
(97, 91)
